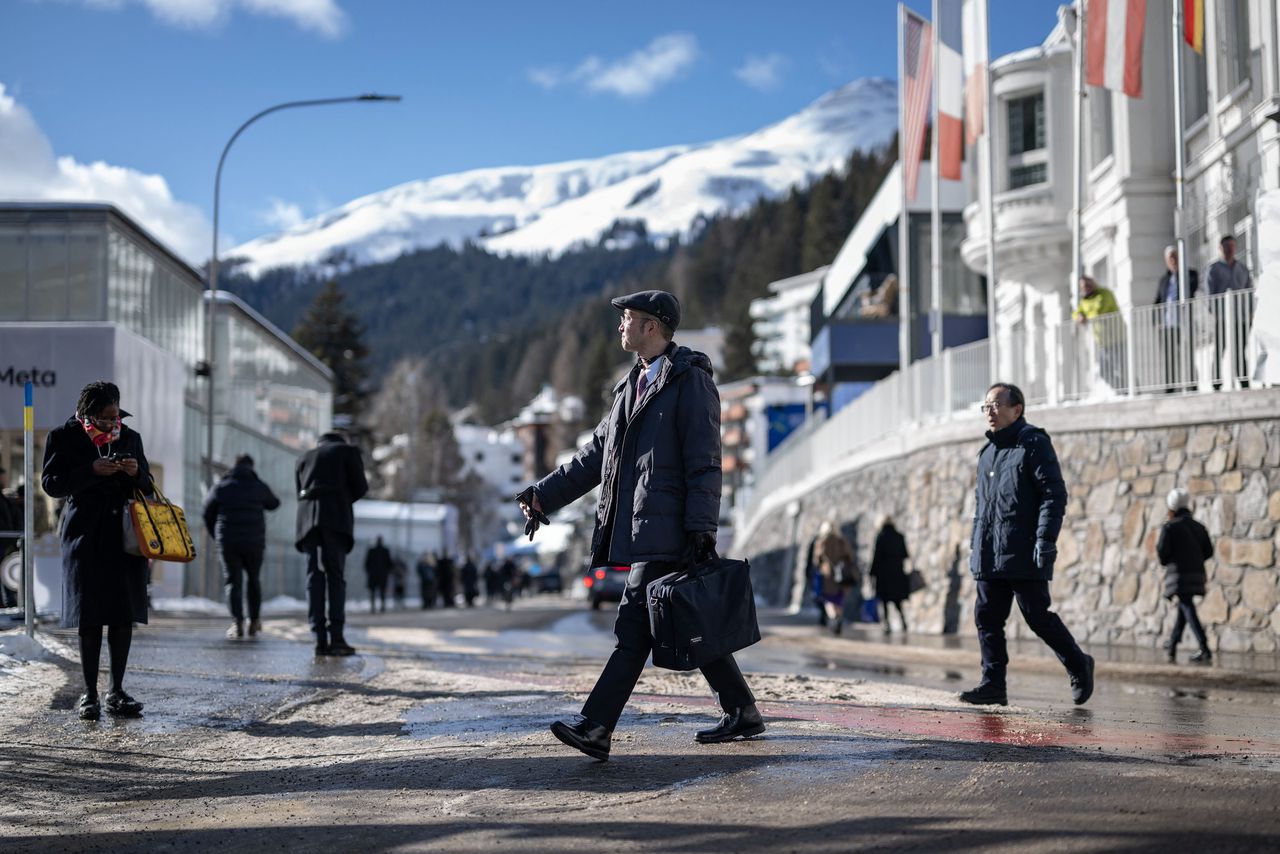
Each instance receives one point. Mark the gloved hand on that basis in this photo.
(703, 546)
(1045, 554)
(533, 514)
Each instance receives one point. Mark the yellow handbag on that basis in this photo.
(156, 528)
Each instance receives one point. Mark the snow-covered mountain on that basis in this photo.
(551, 208)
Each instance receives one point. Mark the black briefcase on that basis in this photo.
(702, 613)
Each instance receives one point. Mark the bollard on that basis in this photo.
(28, 512)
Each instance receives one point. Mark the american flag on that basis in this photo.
(917, 64)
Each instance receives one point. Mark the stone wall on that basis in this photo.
(1108, 583)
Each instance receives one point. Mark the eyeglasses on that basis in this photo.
(102, 423)
(986, 408)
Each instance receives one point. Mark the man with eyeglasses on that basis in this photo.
(1020, 503)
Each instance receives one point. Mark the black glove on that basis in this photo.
(703, 546)
(536, 517)
(1045, 554)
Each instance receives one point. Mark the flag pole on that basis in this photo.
(988, 149)
(1077, 160)
(904, 228)
(935, 220)
(1179, 154)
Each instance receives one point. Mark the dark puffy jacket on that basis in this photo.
(329, 479)
(657, 463)
(1021, 499)
(1183, 547)
(887, 562)
(377, 566)
(234, 509)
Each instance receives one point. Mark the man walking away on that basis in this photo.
(427, 580)
(1018, 514)
(656, 459)
(470, 577)
(235, 514)
(445, 573)
(1183, 547)
(329, 479)
(377, 570)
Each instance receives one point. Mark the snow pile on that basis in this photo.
(550, 208)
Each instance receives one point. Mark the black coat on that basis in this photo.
(887, 562)
(234, 509)
(329, 479)
(1021, 498)
(1193, 285)
(1183, 547)
(101, 585)
(657, 463)
(377, 565)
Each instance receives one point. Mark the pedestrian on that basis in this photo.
(470, 578)
(11, 519)
(656, 458)
(235, 516)
(492, 583)
(509, 575)
(445, 573)
(1225, 275)
(1178, 368)
(399, 577)
(1099, 309)
(1183, 547)
(1017, 516)
(813, 579)
(838, 573)
(377, 571)
(888, 560)
(426, 569)
(97, 463)
(329, 479)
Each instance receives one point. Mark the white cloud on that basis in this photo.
(320, 16)
(763, 73)
(29, 172)
(283, 215)
(633, 76)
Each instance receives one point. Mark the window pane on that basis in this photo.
(1025, 176)
(1195, 85)
(1026, 124)
(1101, 140)
(1233, 44)
(47, 256)
(13, 276)
(84, 275)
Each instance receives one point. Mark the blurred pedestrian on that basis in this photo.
(445, 578)
(1021, 499)
(492, 583)
(235, 515)
(509, 575)
(1178, 368)
(426, 569)
(329, 479)
(470, 578)
(888, 560)
(97, 463)
(656, 458)
(1098, 308)
(1183, 547)
(838, 571)
(1224, 275)
(11, 519)
(399, 579)
(813, 579)
(377, 572)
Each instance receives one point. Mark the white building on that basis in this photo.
(781, 323)
(496, 455)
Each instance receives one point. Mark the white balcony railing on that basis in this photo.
(1201, 344)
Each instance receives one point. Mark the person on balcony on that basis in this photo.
(1097, 302)
(1172, 320)
(883, 301)
(1228, 274)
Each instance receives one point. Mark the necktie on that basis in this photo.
(641, 385)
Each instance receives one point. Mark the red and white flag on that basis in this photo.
(914, 91)
(1113, 45)
(974, 26)
(950, 89)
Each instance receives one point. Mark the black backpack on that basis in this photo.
(702, 613)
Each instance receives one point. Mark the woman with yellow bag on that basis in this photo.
(97, 463)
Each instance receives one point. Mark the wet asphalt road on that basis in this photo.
(435, 739)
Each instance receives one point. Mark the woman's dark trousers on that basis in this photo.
(241, 564)
(1187, 616)
(119, 639)
(991, 612)
(327, 584)
(621, 673)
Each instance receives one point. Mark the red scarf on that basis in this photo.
(100, 437)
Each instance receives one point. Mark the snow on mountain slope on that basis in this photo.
(550, 208)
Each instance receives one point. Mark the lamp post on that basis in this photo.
(211, 309)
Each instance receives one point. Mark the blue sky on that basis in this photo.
(136, 88)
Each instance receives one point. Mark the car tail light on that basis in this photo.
(588, 581)
(600, 574)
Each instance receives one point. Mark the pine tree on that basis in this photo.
(336, 337)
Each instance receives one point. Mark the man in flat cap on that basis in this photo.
(656, 458)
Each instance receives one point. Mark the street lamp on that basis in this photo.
(207, 368)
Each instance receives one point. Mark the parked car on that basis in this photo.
(605, 584)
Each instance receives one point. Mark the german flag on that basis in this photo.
(1193, 24)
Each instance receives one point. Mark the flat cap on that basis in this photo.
(660, 304)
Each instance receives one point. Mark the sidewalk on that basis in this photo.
(1143, 663)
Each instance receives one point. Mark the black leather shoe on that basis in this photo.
(586, 735)
(121, 705)
(1201, 657)
(1082, 683)
(338, 645)
(740, 723)
(985, 694)
(89, 708)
